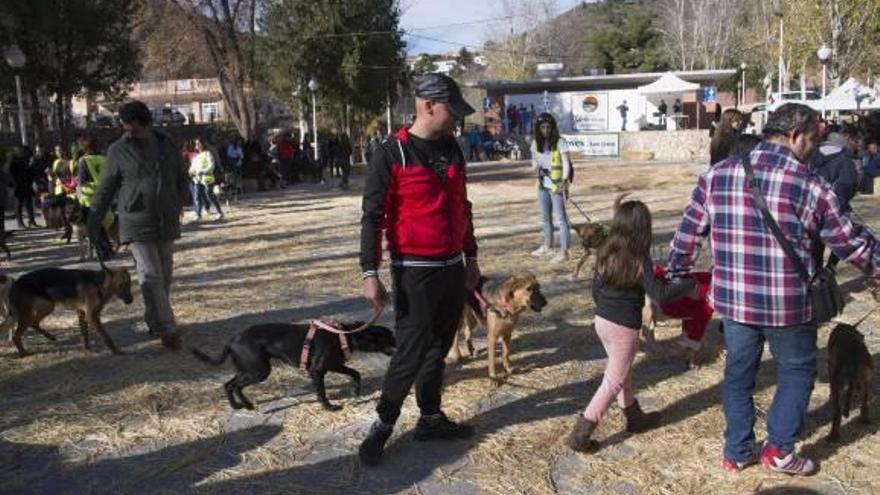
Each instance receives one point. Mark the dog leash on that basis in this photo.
(579, 209)
(332, 326)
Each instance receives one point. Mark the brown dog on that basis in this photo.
(850, 370)
(506, 302)
(592, 235)
(34, 296)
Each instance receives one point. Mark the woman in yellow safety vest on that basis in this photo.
(202, 169)
(551, 161)
(62, 175)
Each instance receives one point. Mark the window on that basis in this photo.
(210, 112)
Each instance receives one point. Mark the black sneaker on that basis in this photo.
(373, 446)
(439, 427)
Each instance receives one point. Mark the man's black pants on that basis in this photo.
(428, 303)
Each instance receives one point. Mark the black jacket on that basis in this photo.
(624, 305)
(836, 165)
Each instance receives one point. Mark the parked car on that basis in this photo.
(168, 116)
(809, 98)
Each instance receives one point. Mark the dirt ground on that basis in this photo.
(152, 421)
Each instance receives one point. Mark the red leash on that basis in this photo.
(332, 326)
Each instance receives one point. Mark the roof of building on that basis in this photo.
(614, 81)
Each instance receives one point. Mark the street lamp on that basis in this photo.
(824, 54)
(313, 87)
(300, 121)
(738, 94)
(16, 59)
(742, 68)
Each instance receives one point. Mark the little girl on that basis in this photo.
(623, 274)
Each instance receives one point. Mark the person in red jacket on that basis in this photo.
(415, 192)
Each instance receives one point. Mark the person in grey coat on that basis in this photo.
(146, 174)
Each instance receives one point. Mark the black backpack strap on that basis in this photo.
(769, 221)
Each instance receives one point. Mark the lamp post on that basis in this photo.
(16, 59)
(313, 87)
(301, 123)
(742, 68)
(824, 54)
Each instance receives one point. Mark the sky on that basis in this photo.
(433, 19)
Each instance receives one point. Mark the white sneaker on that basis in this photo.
(561, 257)
(541, 251)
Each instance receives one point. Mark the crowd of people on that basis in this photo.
(415, 197)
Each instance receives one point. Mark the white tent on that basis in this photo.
(849, 96)
(668, 87)
(668, 84)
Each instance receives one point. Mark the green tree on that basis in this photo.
(74, 47)
(630, 43)
(353, 48)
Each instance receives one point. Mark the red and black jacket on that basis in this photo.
(424, 218)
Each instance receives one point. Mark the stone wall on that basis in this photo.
(668, 145)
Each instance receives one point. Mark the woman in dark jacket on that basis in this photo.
(23, 185)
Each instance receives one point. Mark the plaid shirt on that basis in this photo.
(753, 281)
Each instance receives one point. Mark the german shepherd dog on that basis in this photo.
(851, 371)
(507, 302)
(252, 349)
(592, 235)
(34, 296)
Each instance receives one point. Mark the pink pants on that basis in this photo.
(620, 344)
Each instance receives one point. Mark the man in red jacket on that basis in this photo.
(415, 192)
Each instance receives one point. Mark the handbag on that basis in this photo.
(826, 300)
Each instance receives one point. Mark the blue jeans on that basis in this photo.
(794, 349)
(554, 205)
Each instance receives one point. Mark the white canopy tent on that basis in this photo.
(668, 87)
(849, 96)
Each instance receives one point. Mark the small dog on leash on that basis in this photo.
(851, 371)
(506, 303)
(592, 235)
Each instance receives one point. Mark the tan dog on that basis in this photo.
(34, 296)
(505, 303)
(592, 235)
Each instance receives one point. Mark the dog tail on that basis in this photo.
(216, 361)
(619, 200)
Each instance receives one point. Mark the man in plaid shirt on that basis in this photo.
(757, 289)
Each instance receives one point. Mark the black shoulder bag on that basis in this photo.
(826, 300)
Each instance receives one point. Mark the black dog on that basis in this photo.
(851, 371)
(252, 348)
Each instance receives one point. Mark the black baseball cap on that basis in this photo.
(442, 89)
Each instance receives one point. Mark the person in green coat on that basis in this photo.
(146, 175)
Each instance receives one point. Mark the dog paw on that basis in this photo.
(832, 437)
(332, 407)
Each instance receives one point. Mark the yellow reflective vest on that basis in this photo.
(94, 164)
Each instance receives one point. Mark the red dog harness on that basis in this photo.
(333, 326)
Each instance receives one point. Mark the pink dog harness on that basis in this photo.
(333, 326)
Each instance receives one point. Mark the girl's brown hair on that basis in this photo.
(726, 133)
(621, 257)
(552, 141)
